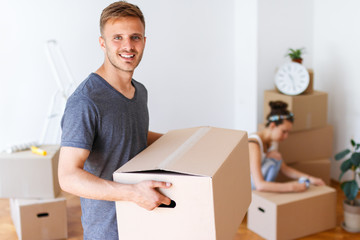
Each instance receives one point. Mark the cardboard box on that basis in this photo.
(292, 215)
(310, 88)
(308, 145)
(318, 168)
(41, 219)
(28, 175)
(209, 170)
(310, 110)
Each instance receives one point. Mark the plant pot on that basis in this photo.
(298, 60)
(351, 216)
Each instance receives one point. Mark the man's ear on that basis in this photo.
(102, 43)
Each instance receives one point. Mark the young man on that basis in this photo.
(105, 124)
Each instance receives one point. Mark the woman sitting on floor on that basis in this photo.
(266, 161)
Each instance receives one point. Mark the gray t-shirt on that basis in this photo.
(114, 128)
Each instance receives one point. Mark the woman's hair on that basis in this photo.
(279, 113)
(120, 9)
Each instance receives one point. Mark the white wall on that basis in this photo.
(188, 65)
(283, 24)
(336, 65)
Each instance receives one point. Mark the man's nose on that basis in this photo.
(127, 44)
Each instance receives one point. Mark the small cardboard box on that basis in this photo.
(308, 145)
(318, 168)
(292, 215)
(209, 170)
(28, 175)
(41, 219)
(310, 110)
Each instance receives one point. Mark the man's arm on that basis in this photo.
(75, 180)
(152, 137)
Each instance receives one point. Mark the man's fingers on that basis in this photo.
(156, 184)
(166, 201)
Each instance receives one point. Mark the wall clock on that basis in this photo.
(292, 78)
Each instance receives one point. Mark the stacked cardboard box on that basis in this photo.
(308, 149)
(31, 183)
(309, 145)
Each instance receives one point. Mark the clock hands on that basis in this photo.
(292, 81)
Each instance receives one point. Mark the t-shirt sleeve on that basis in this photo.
(79, 123)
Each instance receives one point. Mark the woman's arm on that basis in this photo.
(295, 174)
(258, 179)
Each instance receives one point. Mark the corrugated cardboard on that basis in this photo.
(310, 88)
(28, 175)
(310, 110)
(308, 145)
(41, 219)
(292, 215)
(209, 170)
(318, 168)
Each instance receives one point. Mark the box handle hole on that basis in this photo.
(261, 209)
(39, 215)
(171, 205)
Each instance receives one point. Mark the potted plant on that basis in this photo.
(351, 188)
(295, 54)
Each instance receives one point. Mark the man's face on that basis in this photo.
(123, 43)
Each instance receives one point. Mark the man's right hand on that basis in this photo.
(147, 196)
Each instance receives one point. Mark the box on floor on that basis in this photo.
(308, 145)
(30, 175)
(310, 110)
(318, 168)
(292, 215)
(41, 219)
(209, 170)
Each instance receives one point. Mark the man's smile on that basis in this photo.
(128, 56)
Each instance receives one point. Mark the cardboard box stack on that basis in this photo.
(211, 191)
(308, 149)
(310, 143)
(31, 183)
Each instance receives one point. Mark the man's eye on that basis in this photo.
(135, 38)
(117, 38)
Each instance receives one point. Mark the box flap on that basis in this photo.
(197, 151)
(285, 198)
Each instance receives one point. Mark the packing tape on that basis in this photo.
(183, 148)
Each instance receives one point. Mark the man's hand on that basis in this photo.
(147, 196)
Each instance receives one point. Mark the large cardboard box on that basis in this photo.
(310, 110)
(41, 219)
(28, 175)
(318, 168)
(292, 215)
(209, 170)
(308, 145)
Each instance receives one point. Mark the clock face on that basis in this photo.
(292, 78)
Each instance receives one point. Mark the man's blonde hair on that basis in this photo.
(120, 9)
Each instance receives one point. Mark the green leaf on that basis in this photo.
(357, 146)
(350, 189)
(355, 159)
(346, 165)
(353, 142)
(342, 154)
